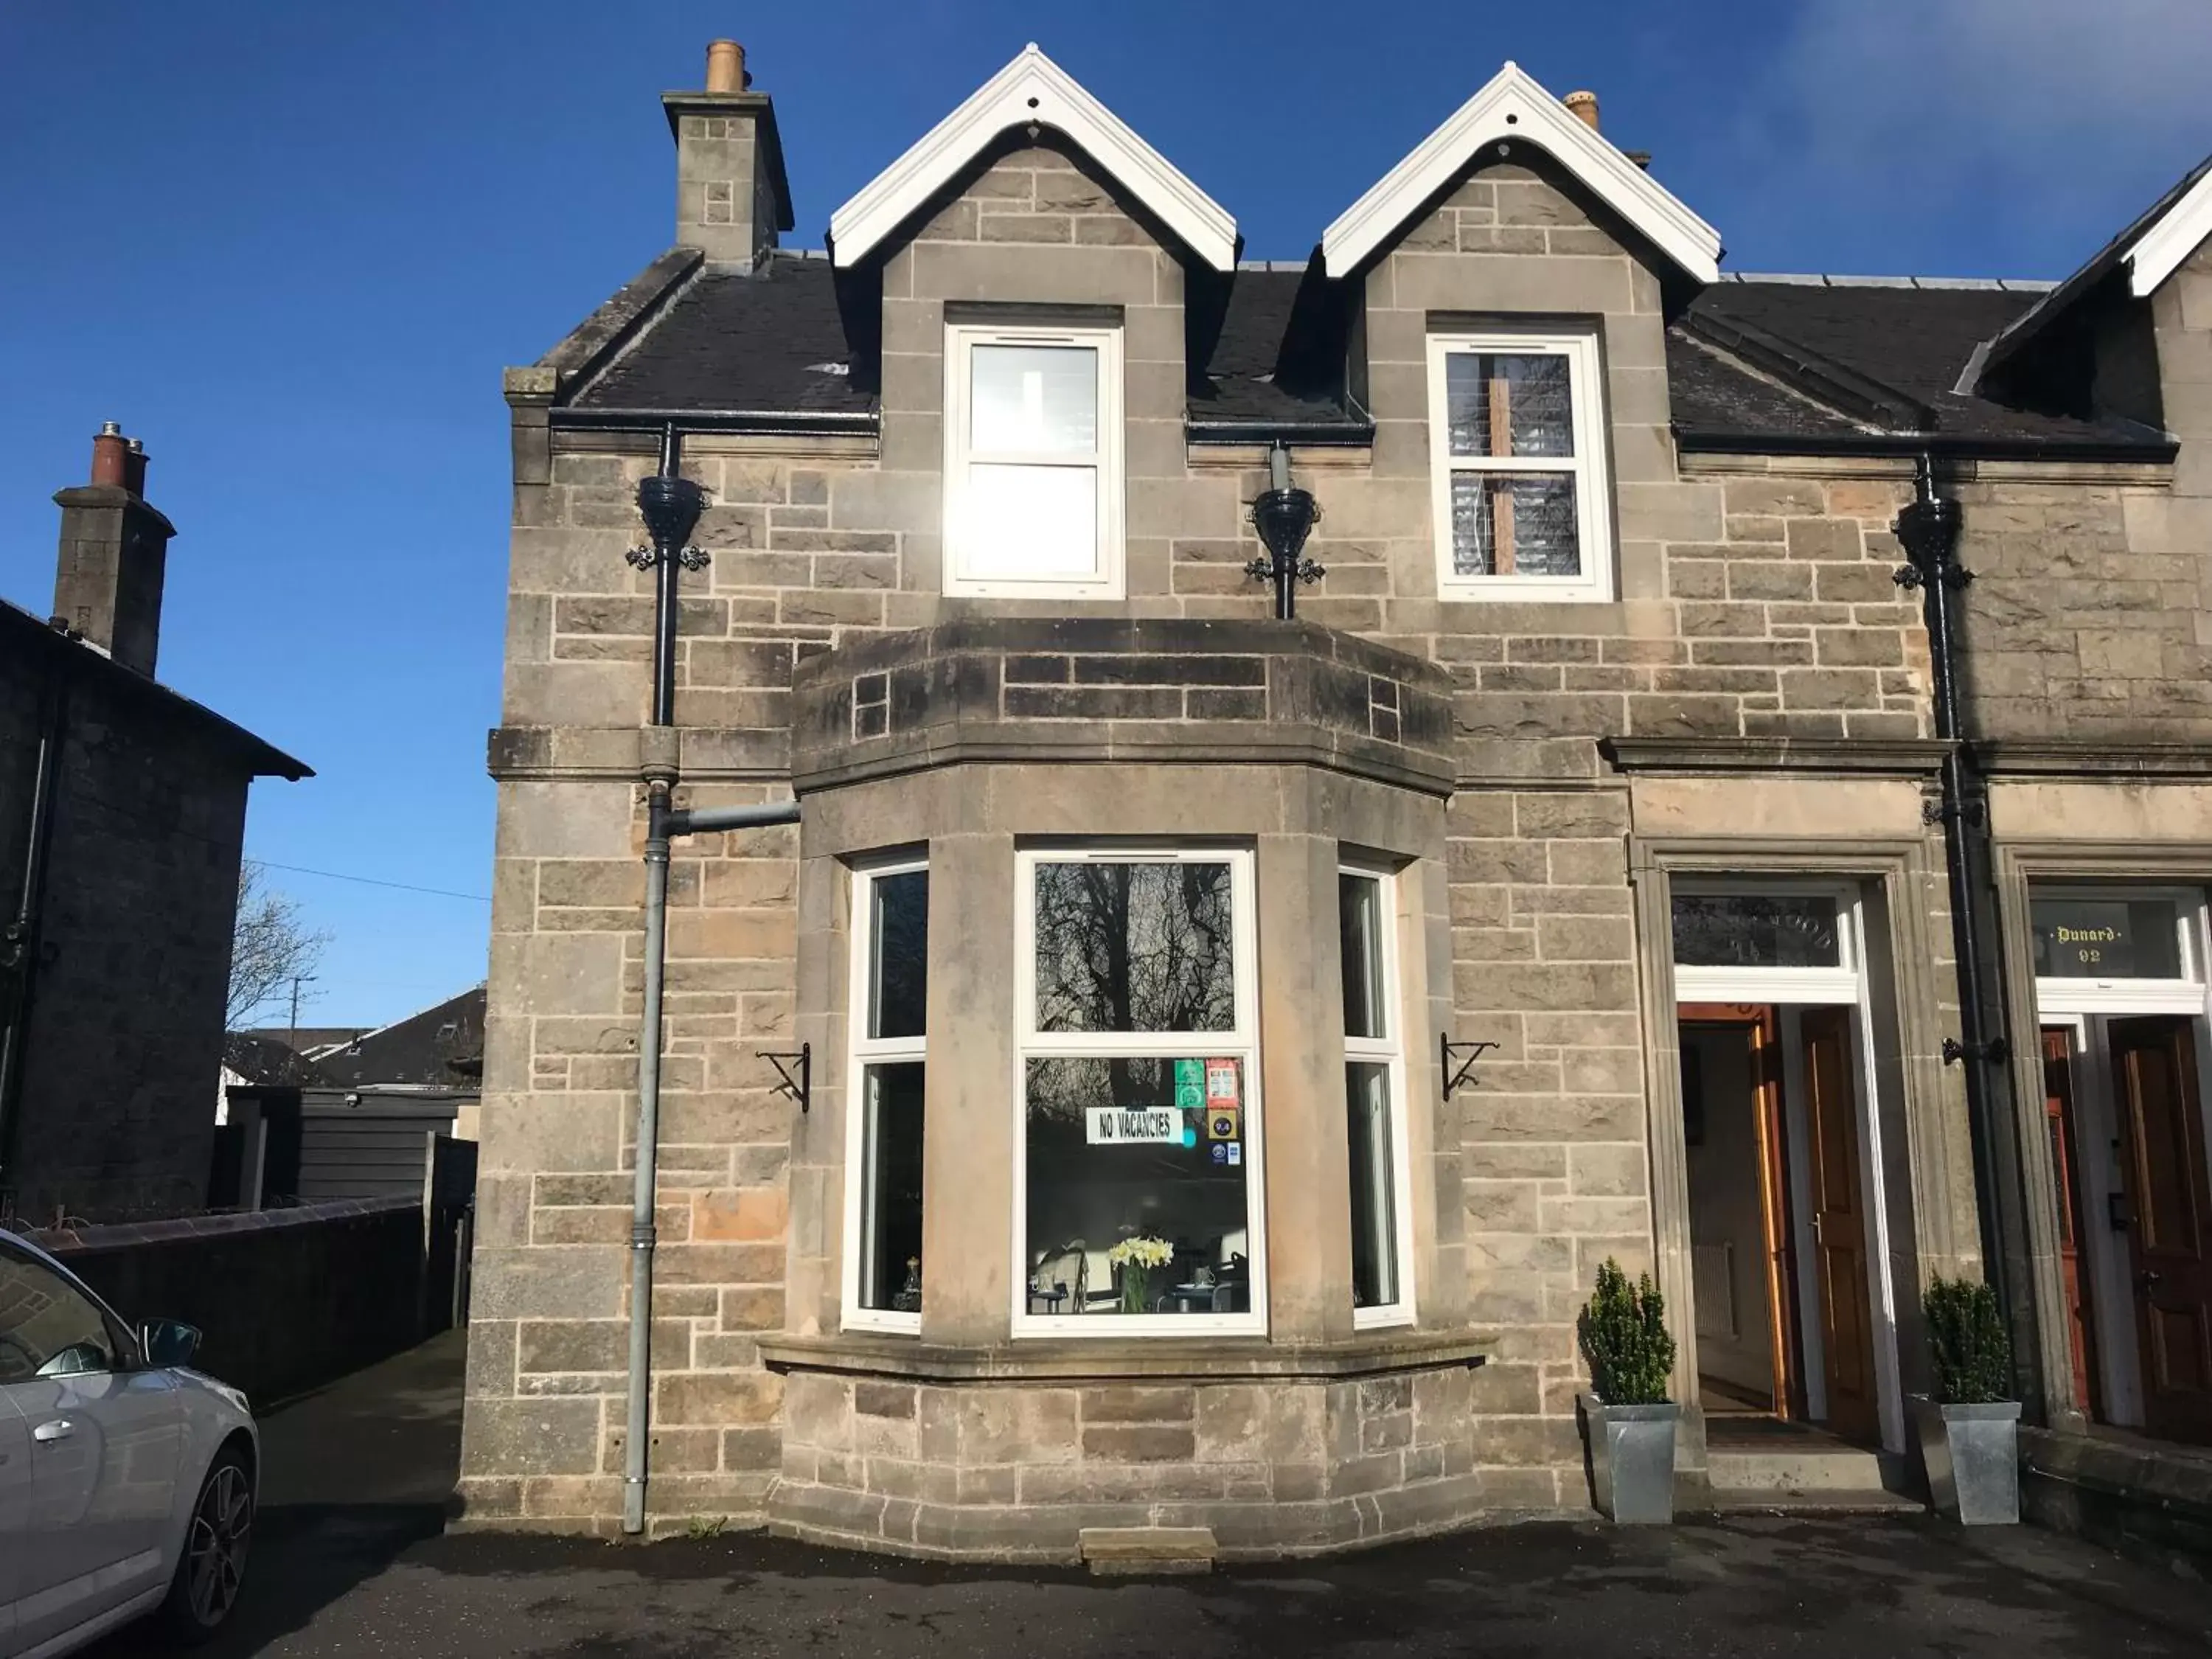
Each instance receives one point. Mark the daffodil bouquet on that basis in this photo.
(1137, 1257)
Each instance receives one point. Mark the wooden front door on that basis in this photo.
(1761, 1027)
(2170, 1230)
(2059, 1120)
(1839, 1225)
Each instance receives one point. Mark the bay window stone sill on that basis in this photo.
(1372, 1353)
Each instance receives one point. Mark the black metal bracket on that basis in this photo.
(1448, 1052)
(1996, 1051)
(691, 558)
(1937, 811)
(798, 1085)
(1911, 575)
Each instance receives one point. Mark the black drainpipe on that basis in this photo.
(1283, 516)
(1928, 527)
(19, 949)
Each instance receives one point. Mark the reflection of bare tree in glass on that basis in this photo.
(902, 964)
(1134, 947)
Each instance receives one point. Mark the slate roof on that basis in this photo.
(1776, 361)
(266, 1062)
(1247, 377)
(441, 1046)
(772, 341)
(1869, 357)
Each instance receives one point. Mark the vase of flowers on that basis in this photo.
(1136, 1258)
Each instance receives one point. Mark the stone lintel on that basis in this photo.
(2099, 759)
(1217, 1359)
(1889, 758)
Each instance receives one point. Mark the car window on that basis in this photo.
(48, 1328)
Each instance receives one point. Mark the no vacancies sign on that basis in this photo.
(1112, 1126)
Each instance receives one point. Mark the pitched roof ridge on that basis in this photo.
(1837, 386)
(1721, 354)
(1832, 279)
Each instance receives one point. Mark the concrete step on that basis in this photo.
(1125, 1552)
(1818, 1467)
(1830, 1500)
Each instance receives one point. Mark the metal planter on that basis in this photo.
(1972, 1457)
(1632, 1459)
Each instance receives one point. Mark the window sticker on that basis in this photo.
(1116, 1126)
(1221, 1084)
(1190, 1085)
(1221, 1123)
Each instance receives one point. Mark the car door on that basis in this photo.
(104, 1438)
(14, 1506)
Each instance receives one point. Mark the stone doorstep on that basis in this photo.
(1806, 1468)
(1125, 1552)
(1830, 1500)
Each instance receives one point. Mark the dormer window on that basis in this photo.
(1033, 462)
(1518, 438)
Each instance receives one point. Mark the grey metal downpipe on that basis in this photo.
(671, 506)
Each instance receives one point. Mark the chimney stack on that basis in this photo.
(114, 549)
(1583, 105)
(732, 196)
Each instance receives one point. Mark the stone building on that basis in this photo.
(1140, 941)
(122, 814)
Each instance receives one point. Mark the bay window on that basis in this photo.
(1032, 461)
(883, 1129)
(1516, 439)
(1374, 1087)
(1138, 1189)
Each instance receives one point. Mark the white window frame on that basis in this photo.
(1106, 580)
(1587, 466)
(2068, 994)
(864, 1051)
(1388, 1051)
(1241, 1044)
(1838, 984)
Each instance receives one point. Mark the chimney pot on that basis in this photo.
(1583, 105)
(110, 456)
(725, 66)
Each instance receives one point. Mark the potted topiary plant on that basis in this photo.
(1970, 1431)
(1628, 1422)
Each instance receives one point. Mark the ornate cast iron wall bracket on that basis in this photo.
(691, 558)
(1447, 1055)
(796, 1075)
(1996, 1050)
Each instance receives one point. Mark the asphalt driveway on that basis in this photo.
(351, 1562)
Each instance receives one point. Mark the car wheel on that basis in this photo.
(213, 1566)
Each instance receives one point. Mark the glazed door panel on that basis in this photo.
(2170, 1232)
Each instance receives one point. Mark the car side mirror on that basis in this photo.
(169, 1342)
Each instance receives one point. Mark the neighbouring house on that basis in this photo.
(122, 813)
(1234, 1042)
(349, 1115)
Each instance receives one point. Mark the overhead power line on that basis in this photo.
(372, 881)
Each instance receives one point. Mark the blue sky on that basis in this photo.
(290, 246)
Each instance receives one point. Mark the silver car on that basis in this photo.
(127, 1480)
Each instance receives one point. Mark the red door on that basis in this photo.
(2170, 1235)
(2058, 1118)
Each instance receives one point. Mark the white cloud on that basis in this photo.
(2003, 85)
